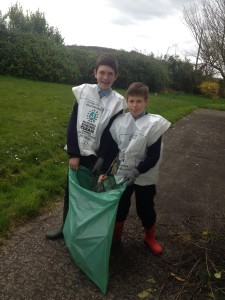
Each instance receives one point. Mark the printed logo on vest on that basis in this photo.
(92, 115)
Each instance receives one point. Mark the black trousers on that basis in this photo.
(86, 161)
(144, 204)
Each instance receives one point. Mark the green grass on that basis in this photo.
(176, 106)
(33, 123)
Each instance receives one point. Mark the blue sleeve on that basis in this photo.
(72, 140)
(153, 155)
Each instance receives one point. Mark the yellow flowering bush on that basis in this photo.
(209, 89)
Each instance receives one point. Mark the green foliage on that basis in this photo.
(32, 49)
(84, 62)
(182, 75)
(31, 56)
(135, 66)
(30, 23)
(209, 89)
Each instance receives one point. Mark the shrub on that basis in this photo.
(209, 89)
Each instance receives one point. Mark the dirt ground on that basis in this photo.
(190, 206)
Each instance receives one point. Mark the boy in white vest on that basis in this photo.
(96, 107)
(138, 136)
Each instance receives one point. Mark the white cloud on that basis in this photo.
(145, 10)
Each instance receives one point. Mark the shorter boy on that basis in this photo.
(138, 136)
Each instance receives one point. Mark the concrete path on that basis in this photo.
(192, 176)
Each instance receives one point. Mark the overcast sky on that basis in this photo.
(149, 26)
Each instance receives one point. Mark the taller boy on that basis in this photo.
(96, 108)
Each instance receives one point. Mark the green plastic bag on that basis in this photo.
(90, 223)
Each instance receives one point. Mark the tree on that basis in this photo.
(182, 75)
(17, 21)
(207, 24)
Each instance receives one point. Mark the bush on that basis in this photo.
(209, 89)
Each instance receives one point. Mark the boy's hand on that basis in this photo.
(74, 163)
(131, 176)
(98, 165)
(101, 178)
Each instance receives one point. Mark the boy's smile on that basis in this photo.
(136, 105)
(105, 76)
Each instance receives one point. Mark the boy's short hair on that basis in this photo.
(107, 59)
(137, 89)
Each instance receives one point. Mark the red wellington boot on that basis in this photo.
(150, 241)
(118, 231)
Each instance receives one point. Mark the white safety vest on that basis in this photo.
(133, 138)
(93, 115)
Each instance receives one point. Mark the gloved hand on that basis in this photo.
(131, 176)
(98, 165)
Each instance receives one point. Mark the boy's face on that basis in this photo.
(136, 104)
(105, 76)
